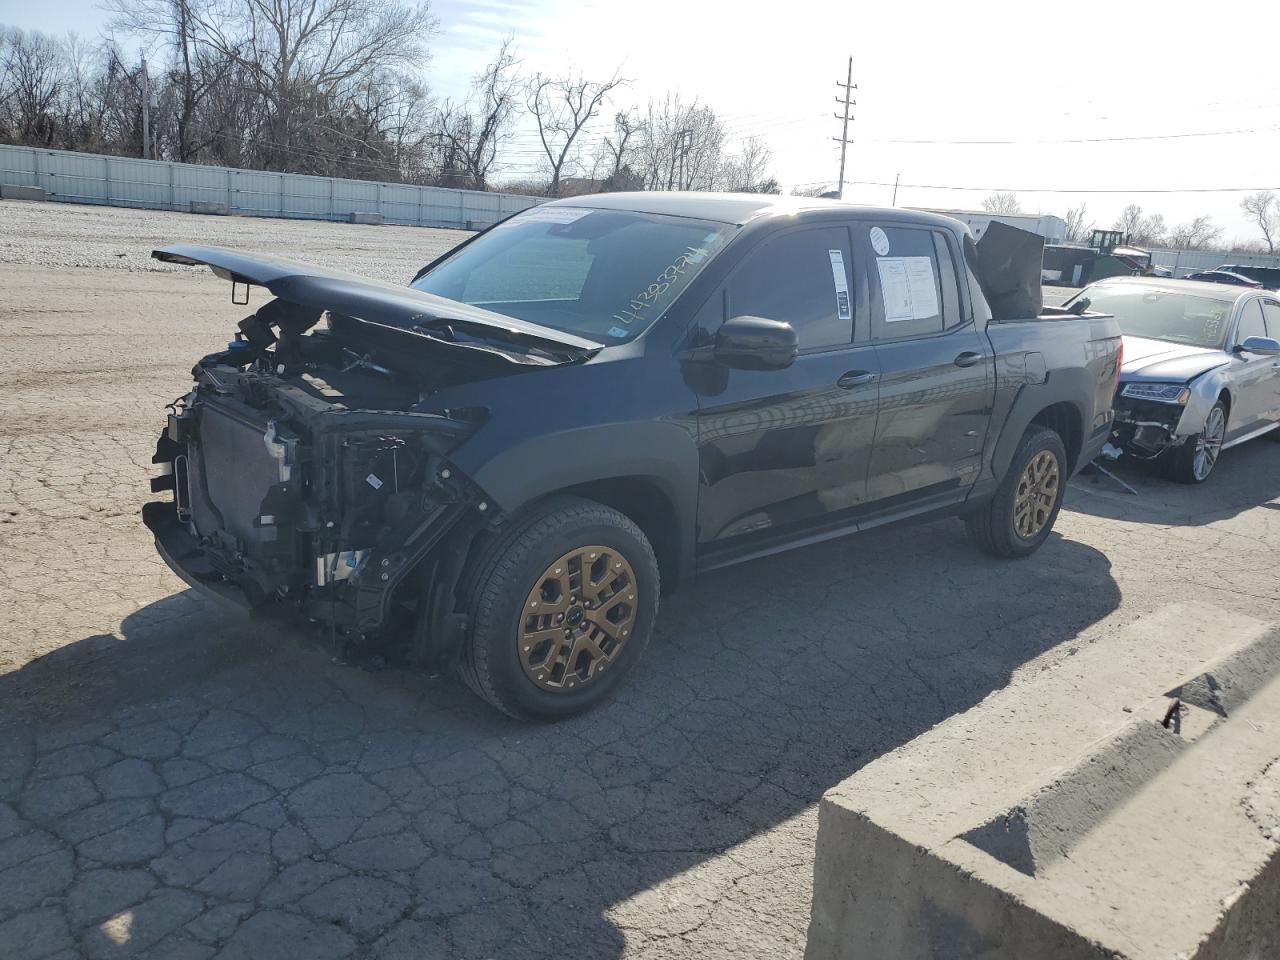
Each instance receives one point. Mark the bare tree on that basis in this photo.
(679, 146)
(813, 190)
(747, 171)
(1151, 231)
(33, 72)
(562, 106)
(1264, 209)
(1006, 203)
(1196, 234)
(470, 134)
(1140, 228)
(299, 57)
(1079, 226)
(625, 125)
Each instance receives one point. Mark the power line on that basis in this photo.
(1154, 136)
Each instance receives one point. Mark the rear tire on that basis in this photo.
(1020, 515)
(1194, 461)
(562, 602)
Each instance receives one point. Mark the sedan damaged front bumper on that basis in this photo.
(1145, 429)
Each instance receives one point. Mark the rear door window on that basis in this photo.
(803, 277)
(914, 283)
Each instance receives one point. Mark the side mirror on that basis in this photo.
(756, 343)
(1265, 346)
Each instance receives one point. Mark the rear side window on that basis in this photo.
(803, 277)
(913, 274)
(1271, 314)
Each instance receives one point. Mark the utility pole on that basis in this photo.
(895, 188)
(146, 112)
(849, 86)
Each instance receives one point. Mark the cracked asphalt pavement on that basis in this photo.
(177, 781)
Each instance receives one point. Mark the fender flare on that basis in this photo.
(660, 453)
(1061, 386)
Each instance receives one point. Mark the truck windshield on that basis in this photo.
(1164, 314)
(606, 275)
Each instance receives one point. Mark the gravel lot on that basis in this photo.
(176, 781)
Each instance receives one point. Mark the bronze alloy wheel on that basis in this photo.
(577, 618)
(1036, 494)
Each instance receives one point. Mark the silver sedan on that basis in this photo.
(1201, 369)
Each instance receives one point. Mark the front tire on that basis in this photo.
(1020, 515)
(562, 603)
(1195, 459)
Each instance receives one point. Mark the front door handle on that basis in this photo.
(855, 378)
(967, 359)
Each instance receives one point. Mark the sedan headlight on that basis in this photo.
(1159, 392)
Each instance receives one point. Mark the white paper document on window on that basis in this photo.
(908, 287)
(843, 308)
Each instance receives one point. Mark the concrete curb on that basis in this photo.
(1062, 818)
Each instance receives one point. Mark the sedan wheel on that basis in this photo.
(1195, 459)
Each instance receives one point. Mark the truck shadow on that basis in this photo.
(459, 833)
(1245, 477)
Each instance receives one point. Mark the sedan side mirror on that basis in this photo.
(1265, 346)
(756, 343)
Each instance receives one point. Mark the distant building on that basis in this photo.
(1053, 229)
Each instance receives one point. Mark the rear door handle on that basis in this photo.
(967, 359)
(855, 378)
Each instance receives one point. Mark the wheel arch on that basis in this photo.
(647, 471)
(643, 501)
(1064, 419)
(1053, 408)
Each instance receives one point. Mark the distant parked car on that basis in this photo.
(1269, 277)
(1200, 370)
(1223, 276)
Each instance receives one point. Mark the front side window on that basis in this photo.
(1252, 323)
(1271, 313)
(1159, 314)
(606, 275)
(803, 277)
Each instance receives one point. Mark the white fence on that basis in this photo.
(1182, 262)
(162, 185)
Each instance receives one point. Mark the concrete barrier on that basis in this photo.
(1122, 802)
(10, 191)
(211, 208)
(374, 219)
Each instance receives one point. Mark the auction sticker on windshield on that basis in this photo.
(549, 215)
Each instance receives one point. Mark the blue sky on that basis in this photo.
(1033, 74)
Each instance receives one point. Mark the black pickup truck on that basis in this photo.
(499, 466)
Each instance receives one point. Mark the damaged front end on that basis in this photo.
(310, 466)
(1148, 417)
(290, 508)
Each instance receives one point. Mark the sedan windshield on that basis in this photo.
(602, 274)
(1164, 314)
